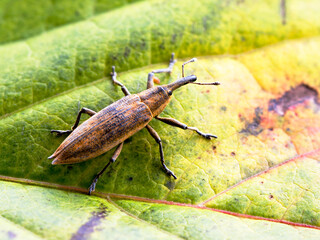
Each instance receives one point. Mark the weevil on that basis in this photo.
(111, 126)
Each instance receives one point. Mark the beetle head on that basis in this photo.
(180, 82)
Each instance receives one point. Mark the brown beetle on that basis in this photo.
(114, 124)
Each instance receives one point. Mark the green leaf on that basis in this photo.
(288, 192)
(55, 214)
(19, 20)
(10, 230)
(190, 222)
(263, 169)
(140, 34)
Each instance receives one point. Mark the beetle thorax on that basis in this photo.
(155, 98)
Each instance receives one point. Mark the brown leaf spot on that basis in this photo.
(205, 91)
(214, 148)
(241, 117)
(91, 225)
(254, 127)
(232, 153)
(292, 98)
(270, 196)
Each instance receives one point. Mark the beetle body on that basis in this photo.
(111, 126)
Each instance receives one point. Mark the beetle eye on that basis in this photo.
(170, 92)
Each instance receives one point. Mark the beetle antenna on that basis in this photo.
(191, 60)
(212, 83)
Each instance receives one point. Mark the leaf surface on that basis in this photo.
(54, 214)
(138, 35)
(260, 177)
(20, 21)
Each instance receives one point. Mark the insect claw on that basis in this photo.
(174, 176)
(60, 132)
(170, 173)
(93, 185)
(214, 136)
(113, 73)
(92, 188)
(57, 132)
(209, 136)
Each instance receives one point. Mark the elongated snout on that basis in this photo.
(182, 81)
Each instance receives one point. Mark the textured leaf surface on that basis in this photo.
(55, 214)
(138, 35)
(261, 172)
(288, 192)
(10, 230)
(19, 20)
(193, 223)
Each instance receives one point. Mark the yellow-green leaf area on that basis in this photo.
(200, 164)
(289, 192)
(42, 213)
(265, 114)
(140, 34)
(20, 21)
(55, 214)
(252, 138)
(193, 223)
(10, 230)
(293, 77)
(284, 68)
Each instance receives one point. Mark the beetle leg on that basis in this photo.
(61, 132)
(112, 160)
(176, 123)
(83, 110)
(164, 70)
(155, 135)
(115, 81)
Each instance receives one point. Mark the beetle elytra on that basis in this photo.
(111, 126)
